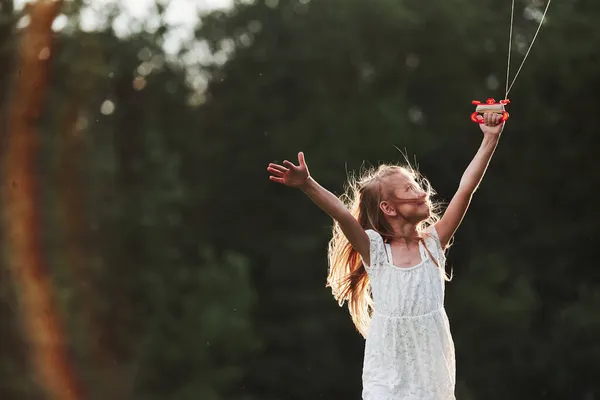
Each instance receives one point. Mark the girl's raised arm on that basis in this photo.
(447, 226)
(298, 176)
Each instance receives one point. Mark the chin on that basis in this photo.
(418, 218)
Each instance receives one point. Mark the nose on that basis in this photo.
(420, 192)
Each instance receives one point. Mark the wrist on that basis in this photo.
(308, 183)
(490, 140)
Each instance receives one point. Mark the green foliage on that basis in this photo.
(199, 332)
(209, 281)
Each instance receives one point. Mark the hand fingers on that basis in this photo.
(276, 179)
(278, 167)
(289, 164)
(491, 119)
(301, 159)
(497, 119)
(486, 118)
(275, 172)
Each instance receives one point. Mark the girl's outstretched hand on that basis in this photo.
(288, 173)
(492, 125)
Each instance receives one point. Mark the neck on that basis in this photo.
(405, 232)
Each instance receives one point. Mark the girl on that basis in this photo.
(386, 258)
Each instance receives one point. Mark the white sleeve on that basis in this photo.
(376, 250)
(439, 251)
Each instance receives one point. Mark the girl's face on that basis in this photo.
(404, 198)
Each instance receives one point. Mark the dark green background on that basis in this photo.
(204, 281)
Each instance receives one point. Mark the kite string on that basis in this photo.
(512, 19)
(528, 50)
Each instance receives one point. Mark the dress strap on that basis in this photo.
(423, 250)
(388, 252)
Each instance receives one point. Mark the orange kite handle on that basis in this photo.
(478, 118)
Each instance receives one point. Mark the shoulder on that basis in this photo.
(375, 239)
(432, 237)
(374, 235)
(432, 233)
(377, 248)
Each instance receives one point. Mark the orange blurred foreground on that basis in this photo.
(22, 223)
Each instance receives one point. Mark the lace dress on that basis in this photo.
(409, 352)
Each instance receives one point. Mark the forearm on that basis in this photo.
(333, 206)
(325, 200)
(476, 170)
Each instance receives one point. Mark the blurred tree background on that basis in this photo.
(178, 271)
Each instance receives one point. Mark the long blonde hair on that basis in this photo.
(347, 276)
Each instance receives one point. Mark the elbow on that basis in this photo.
(342, 215)
(467, 188)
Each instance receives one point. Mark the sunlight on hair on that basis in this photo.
(347, 275)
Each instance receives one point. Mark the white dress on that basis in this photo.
(409, 351)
